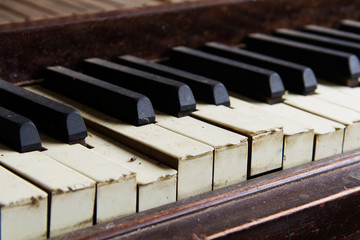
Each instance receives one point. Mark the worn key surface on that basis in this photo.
(56, 119)
(250, 80)
(337, 66)
(167, 95)
(330, 32)
(23, 208)
(204, 89)
(18, 132)
(296, 78)
(121, 103)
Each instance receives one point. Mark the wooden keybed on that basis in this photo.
(319, 200)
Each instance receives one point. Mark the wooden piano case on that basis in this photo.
(320, 200)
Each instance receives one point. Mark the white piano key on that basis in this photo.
(329, 135)
(265, 139)
(347, 117)
(192, 159)
(115, 184)
(23, 208)
(72, 195)
(156, 182)
(230, 149)
(355, 92)
(298, 138)
(338, 97)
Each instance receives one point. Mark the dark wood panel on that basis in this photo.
(25, 49)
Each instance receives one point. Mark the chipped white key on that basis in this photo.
(265, 139)
(192, 159)
(23, 208)
(345, 116)
(230, 149)
(72, 195)
(298, 138)
(156, 182)
(115, 184)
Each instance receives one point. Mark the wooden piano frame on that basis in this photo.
(320, 200)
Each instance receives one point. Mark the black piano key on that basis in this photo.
(243, 78)
(170, 96)
(329, 32)
(116, 101)
(296, 78)
(333, 65)
(204, 89)
(321, 41)
(350, 26)
(18, 132)
(56, 119)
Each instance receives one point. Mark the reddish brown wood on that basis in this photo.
(150, 32)
(320, 200)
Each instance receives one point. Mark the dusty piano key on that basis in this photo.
(328, 139)
(204, 89)
(156, 182)
(330, 32)
(296, 78)
(23, 208)
(250, 80)
(121, 103)
(265, 138)
(333, 65)
(322, 41)
(345, 116)
(18, 132)
(115, 184)
(71, 195)
(298, 137)
(58, 120)
(230, 149)
(339, 98)
(350, 26)
(167, 95)
(192, 159)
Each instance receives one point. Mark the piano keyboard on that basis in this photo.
(135, 163)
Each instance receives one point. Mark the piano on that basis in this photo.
(254, 164)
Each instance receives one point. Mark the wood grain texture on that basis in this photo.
(149, 31)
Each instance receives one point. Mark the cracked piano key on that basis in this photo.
(333, 65)
(296, 78)
(121, 103)
(18, 132)
(298, 137)
(23, 208)
(243, 78)
(170, 96)
(156, 182)
(58, 120)
(192, 159)
(265, 138)
(329, 135)
(350, 26)
(334, 33)
(322, 41)
(204, 89)
(115, 184)
(347, 117)
(230, 149)
(71, 195)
